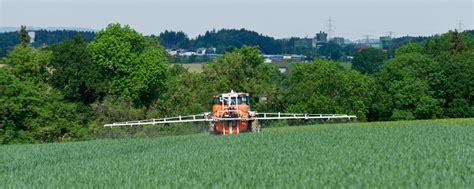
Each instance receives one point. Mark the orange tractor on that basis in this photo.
(231, 114)
(234, 110)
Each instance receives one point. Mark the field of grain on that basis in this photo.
(197, 67)
(408, 154)
(194, 67)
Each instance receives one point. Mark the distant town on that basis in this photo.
(318, 41)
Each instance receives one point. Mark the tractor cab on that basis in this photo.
(231, 98)
(233, 106)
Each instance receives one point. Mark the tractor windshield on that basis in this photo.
(241, 100)
(235, 100)
(231, 100)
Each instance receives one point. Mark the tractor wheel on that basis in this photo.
(255, 126)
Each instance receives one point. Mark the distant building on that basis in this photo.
(374, 43)
(361, 47)
(32, 36)
(43, 46)
(185, 52)
(385, 42)
(211, 50)
(171, 52)
(283, 58)
(321, 38)
(338, 40)
(283, 70)
(189, 53)
(303, 43)
(203, 51)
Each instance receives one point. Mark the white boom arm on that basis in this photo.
(207, 117)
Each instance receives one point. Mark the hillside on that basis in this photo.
(408, 154)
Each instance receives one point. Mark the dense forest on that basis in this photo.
(67, 91)
(223, 40)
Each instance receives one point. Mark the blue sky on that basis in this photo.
(277, 18)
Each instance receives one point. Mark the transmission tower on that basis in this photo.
(367, 38)
(330, 28)
(459, 26)
(391, 34)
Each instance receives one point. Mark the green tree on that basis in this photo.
(150, 77)
(33, 112)
(427, 81)
(405, 89)
(240, 70)
(409, 48)
(456, 44)
(186, 95)
(23, 35)
(136, 67)
(324, 87)
(175, 40)
(74, 72)
(349, 50)
(455, 52)
(451, 43)
(226, 40)
(28, 63)
(331, 51)
(368, 60)
(113, 109)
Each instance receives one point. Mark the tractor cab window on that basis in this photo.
(227, 100)
(242, 100)
(245, 100)
(232, 100)
(217, 100)
(239, 100)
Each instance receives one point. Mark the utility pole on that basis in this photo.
(330, 29)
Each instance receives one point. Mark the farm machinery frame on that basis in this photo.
(231, 114)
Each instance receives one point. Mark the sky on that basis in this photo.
(276, 18)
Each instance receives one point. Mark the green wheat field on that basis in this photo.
(405, 154)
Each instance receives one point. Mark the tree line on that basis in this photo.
(69, 90)
(8, 40)
(223, 40)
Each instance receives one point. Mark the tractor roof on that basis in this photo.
(233, 94)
